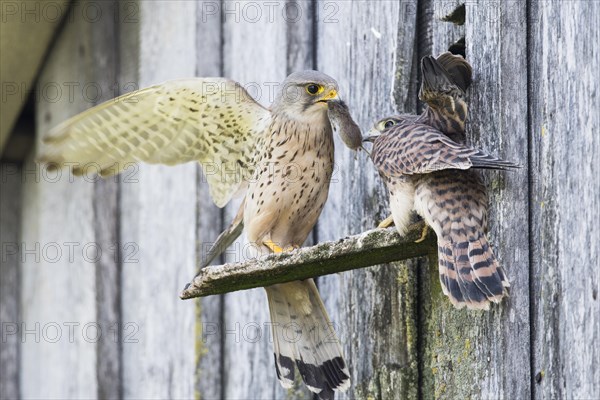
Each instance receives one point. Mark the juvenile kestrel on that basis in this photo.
(445, 82)
(425, 170)
(282, 158)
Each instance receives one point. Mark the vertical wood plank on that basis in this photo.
(209, 346)
(565, 207)
(368, 47)
(299, 17)
(103, 66)
(10, 226)
(58, 287)
(442, 34)
(158, 210)
(486, 354)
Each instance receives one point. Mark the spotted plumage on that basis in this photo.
(427, 171)
(281, 157)
(212, 121)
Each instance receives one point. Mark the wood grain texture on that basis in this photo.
(10, 214)
(486, 354)
(58, 286)
(158, 219)
(368, 47)
(564, 65)
(376, 246)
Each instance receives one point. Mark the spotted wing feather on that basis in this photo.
(213, 121)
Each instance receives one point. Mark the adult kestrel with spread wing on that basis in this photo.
(282, 157)
(426, 171)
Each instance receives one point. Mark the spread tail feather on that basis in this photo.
(303, 336)
(470, 274)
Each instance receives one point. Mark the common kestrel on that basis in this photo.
(282, 158)
(425, 170)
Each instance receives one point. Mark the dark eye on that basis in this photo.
(312, 88)
(389, 123)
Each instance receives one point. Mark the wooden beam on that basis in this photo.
(26, 33)
(377, 246)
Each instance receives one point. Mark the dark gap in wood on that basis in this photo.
(423, 40)
(424, 44)
(119, 298)
(530, 216)
(21, 139)
(118, 72)
(459, 47)
(457, 16)
(222, 43)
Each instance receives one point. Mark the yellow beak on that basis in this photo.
(330, 96)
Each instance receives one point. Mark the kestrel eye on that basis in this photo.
(312, 89)
(388, 124)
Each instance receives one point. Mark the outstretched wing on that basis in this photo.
(210, 120)
(420, 149)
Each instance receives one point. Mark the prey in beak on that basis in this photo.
(342, 122)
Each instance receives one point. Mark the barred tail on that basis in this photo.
(470, 274)
(304, 337)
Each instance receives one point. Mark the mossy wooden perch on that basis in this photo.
(377, 246)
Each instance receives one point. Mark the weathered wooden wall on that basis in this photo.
(564, 146)
(534, 100)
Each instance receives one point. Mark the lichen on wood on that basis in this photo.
(373, 247)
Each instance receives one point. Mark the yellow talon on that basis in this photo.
(274, 248)
(277, 249)
(389, 221)
(423, 234)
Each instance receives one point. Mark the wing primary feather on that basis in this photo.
(171, 123)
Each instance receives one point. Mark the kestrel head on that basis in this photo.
(387, 123)
(305, 95)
